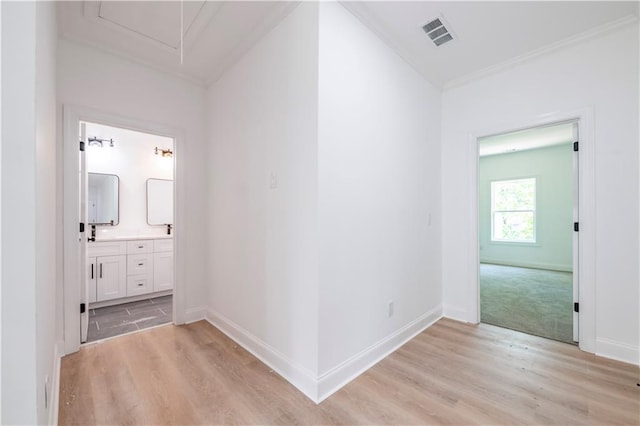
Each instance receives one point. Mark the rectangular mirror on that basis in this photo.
(159, 202)
(103, 199)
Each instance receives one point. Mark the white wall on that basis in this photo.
(19, 399)
(116, 86)
(552, 167)
(1, 103)
(29, 321)
(601, 73)
(302, 273)
(133, 160)
(262, 269)
(379, 191)
(47, 285)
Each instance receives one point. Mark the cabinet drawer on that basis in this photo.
(139, 246)
(139, 264)
(139, 284)
(161, 246)
(106, 248)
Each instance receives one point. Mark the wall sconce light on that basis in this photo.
(164, 152)
(97, 142)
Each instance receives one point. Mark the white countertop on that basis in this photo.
(131, 237)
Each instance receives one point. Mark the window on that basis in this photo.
(513, 210)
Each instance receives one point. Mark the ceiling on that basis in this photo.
(484, 33)
(523, 140)
(216, 34)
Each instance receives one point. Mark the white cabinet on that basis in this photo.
(163, 271)
(111, 280)
(107, 270)
(163, 264)
(117, 269)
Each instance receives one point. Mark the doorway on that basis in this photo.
(129, 211)
(119, 264)
(527, 207)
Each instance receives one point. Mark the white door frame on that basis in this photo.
(586, 203)
(72, 275)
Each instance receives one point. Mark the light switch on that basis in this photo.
(273, 180)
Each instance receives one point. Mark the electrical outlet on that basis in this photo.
(390, 309)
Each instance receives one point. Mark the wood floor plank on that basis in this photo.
(451, 374)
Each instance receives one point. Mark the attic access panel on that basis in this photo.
(155, 20)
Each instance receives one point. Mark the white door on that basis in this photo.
(576, 220)
(84, 286)
(112, 277)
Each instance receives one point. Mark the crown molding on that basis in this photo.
(273, 20)
(567, 42)
(135, 60)
(385, 34)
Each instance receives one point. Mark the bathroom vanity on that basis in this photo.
(121, 269)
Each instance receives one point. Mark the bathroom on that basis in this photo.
(128, 208)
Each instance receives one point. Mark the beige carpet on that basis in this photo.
(533, 301)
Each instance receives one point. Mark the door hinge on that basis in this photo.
(576, 226)
(576, 146)
(81, 227)
(576, 307)
(83, 308)
(81, 146)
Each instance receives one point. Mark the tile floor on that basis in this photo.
(119, 319)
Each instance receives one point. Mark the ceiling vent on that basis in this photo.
(437, 31)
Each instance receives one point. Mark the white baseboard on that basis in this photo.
(54, 385)
(318, 388)
(333, 380)
(195, 314)
(618, 351)
(455, 313)
(298, 376)
(533, 265)
(112, 302)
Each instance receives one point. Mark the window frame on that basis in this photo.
(492, 238)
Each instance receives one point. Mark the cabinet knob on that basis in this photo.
(140, 285)
(140, 264)
(140, 246)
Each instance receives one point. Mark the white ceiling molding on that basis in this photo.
(277, 14)
(587, 35)
(131, 58)
(486, 32)
(489, 36)
(217, 33)
(379, 29)
(154, 23)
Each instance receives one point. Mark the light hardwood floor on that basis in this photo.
(451, 374)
